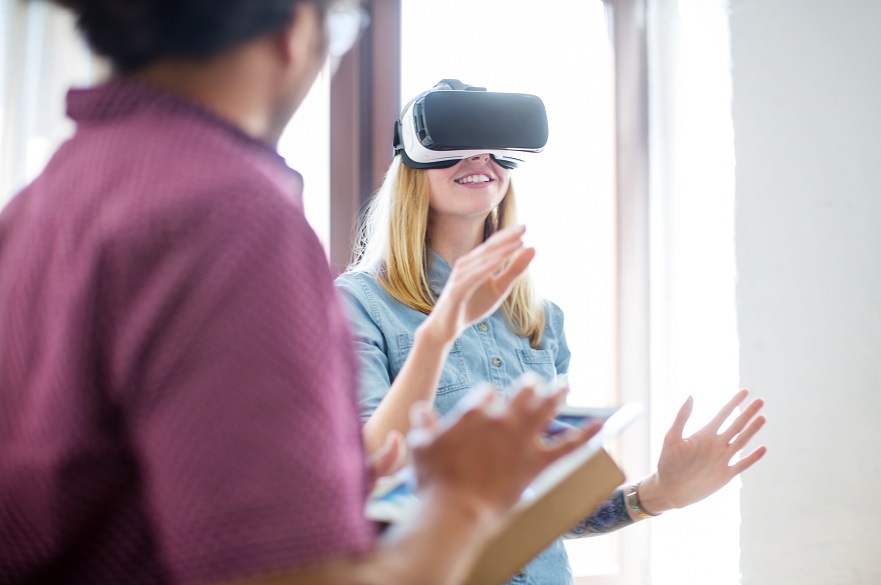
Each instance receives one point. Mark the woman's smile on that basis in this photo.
(470, 189)
(475, 180)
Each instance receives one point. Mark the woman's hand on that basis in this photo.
(692, 468)
(479, 283)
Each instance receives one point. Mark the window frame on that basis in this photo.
(364, 95)
(628, 22)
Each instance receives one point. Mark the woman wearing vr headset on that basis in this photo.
(440, 301)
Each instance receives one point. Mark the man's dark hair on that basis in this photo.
(135, 33)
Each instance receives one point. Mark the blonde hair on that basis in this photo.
(392, 245)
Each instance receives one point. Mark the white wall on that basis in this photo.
(807, 123)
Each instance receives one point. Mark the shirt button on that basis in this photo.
(497, 362)
(483, 327)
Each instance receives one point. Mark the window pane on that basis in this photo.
(566, 194)
(305, 145)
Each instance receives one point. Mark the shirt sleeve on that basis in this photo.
(232, 362)
(371, 346)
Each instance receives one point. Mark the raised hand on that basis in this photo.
(692, 468)
(479, 283)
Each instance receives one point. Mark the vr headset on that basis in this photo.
(442, 126)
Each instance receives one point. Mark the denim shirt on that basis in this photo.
(488, 351)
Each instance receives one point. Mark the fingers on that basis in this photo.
(525, 394)
(743, 419)
(471, 273)
(535, 408)
(507, 239)
(498, 247)
(508, 234)
(726, 411)
(423, 423)
(479, 270)
(745, 437)
(569, 441)
(678, 428)
(501, 258)
(748, 461)
(515, 268)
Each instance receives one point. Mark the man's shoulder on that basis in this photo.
(170, 154)
(190, 176)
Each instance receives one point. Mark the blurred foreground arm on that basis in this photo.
(470, 472)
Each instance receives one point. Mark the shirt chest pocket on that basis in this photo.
(540, 361)
(454, 375)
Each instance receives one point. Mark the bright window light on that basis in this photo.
(305, 145)
(694, 331)
(566, 198)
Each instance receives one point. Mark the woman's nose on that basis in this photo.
(484, 157)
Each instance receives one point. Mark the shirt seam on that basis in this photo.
(371, 298)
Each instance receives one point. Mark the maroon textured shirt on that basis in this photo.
(177, 388)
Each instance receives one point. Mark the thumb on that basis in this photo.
(678, 428)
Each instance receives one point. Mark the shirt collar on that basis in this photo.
(438, 272)
(123, 96)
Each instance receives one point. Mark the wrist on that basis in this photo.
(633, 501)
(442, 539)
(461, 508)
(429, 336)
(650, 496)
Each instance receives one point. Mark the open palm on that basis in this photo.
(692, 468)
(480, 282)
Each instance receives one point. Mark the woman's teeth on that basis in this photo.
(473, 179)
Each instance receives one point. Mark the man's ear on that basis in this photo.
(300, 51)
(302, 40)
